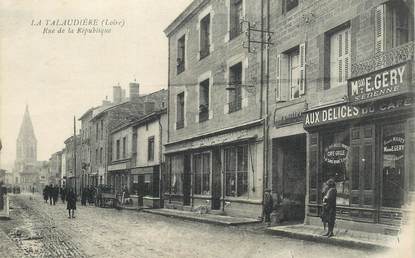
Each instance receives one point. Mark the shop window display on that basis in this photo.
(236, 165)
(336, 163)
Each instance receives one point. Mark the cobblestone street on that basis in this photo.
(41, 230)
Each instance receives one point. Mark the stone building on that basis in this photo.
(55, 168)
(215, 112)
(73, 163)
(87, 177)
(345, 70)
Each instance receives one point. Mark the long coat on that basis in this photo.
(71, 201)
(329, 206)
(268, 203)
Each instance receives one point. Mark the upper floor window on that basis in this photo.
(235, 94)
(102, 129)
(205, 36)
(340, 57)
(181, 51)
(236, 14)
(101, 150)
(204, 100)
(391, 25)
(287, 5)
(294, 74)
(150, 148)
(117, 149)
(180, 111)
(97, 131)
(124, 147)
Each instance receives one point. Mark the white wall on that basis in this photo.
(143, 134)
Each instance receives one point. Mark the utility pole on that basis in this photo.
(74, 152)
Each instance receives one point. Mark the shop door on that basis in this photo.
(186, 180)
(392, 172)
(362, 157)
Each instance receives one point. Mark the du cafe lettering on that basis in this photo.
(365, 144)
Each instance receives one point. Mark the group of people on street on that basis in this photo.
(88, 195)
(51, 194)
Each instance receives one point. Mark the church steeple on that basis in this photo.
(26, 128)
(26, 144)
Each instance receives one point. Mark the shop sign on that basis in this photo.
(345, 111)
(395, 146)
(288, 115)
(380, 84)
(336, 153)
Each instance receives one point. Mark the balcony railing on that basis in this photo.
(383, 59)
(203, 115)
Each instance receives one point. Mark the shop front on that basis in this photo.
(366, 145)
(217, 172)
(119, 177)
(145, 185)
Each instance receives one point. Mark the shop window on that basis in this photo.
(236, 14)
(176, 180)
(148, 184)
(287, 5)
(340, 52)
(201, 171)
(393, 146)
(150, 148)
(181, 54)
(180, 111)
(204, 100)
(336, 162)
(235, 94)
(205, 36)
(391, 25)
(236, 171)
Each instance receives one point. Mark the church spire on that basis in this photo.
(26, 128)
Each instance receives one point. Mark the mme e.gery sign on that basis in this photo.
(379, 84)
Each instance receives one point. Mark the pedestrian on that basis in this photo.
(55, 194)
(83, 196)
(323, 216)
(63, 194)
(268, 205)
(45, 193)
(329, 206)
(50, 194)
(71, 203)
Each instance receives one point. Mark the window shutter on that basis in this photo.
(278, 80)
(346, 58)
(380, 28)
(302, 68)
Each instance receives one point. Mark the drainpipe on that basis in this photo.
(160, 160)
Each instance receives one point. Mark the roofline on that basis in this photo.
(90, 110)
(141, 120)
(187, 13)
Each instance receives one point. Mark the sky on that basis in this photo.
(61, 75)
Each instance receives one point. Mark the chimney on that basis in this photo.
(134, 91)
(117, 94)
(149, 107)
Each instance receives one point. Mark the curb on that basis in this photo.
(328, 240)
(201, 219)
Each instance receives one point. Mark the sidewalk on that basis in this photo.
(342, 237)
(205, 218)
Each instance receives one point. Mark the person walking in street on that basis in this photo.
(83, 196)
(268, 205)
(50, 194)
(55, 194)
(71, 203)
(45, 193)
(329, 206)
(63, 194)
(323, 216)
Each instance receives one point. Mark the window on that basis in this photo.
(236, 171)
(287, 5)
(181, 54)
(148, 184)
(294, 74)
(391, 25)
(236, 13)
(204, 100)
(180, 111)
(205, 36)
(150, 148)
(340, 57)
(201, 171)
(97, 131)
(100, 155)
(124, 147)
(102, 129)
(96, 156)
(117, 149)
(235, 94)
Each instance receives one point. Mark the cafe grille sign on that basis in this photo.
(394, 147)
(383, 83)
(336, 153)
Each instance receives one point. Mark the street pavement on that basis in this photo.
(38, 229)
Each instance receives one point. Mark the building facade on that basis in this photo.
(55, 168)
(87, 177)
(215, 111)
(73, 163)
(149, 134)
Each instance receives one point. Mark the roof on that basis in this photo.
(89, 111)
(26, 128)
(183, 16)
(141, 120)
